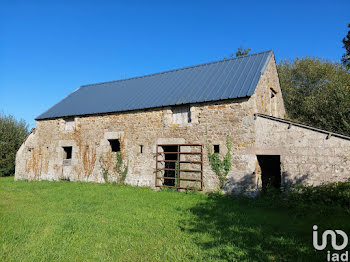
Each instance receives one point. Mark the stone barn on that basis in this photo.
(156, 130)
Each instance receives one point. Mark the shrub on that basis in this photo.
(12, 135)
(301, 197)
(336, 194)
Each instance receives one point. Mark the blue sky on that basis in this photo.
(50, 48)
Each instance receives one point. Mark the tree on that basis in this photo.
(316, 92)
(240, 52)
(346, 57)
(12, 135)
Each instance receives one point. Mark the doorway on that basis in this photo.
(179, 166)
(270, 171)
(171, 165)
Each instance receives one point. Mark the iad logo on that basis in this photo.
(333, 235)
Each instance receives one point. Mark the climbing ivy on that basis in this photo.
(121, 168)
(220, 167)
(104, 170)
(176, 170)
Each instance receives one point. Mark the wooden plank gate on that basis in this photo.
(179, 166)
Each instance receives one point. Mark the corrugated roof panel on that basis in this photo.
(247, 74)
(256, 76)
(226, 88)
(224, 79)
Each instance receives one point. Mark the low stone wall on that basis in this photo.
(307, 156)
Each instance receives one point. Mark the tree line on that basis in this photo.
(316, 91)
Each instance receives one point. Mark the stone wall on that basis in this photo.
(269, 85)
(42, 155)
(307, 156)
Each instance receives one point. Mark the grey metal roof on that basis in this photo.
(224, 79)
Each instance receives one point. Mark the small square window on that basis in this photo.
(67, 152)
(181, 115)
(217, 149)
(115, 145)
(69, 124)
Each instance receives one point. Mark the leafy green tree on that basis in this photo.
(346, 57)
(240, 51)
(316, 92)
(12, 135)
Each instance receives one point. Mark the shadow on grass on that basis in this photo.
(239, 229)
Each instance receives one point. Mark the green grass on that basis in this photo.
(66, 221)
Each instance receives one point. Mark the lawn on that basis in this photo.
(68, 221)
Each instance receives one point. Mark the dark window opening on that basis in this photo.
(217, 149)
(67, 152)
(141, 149)
(115, 145)
(270, 171)
(273, 93)
(170, 166)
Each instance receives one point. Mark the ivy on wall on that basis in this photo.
(120, 169)
(220, 167)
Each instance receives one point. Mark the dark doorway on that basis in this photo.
(270, 171)
(170, 165)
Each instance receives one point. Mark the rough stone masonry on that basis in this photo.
(79, 147)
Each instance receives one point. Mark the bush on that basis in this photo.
(333, 194)
(322, 198)
(12, 135)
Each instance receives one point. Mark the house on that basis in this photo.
(156, 130)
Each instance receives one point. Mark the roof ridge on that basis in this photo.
(178, 69)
